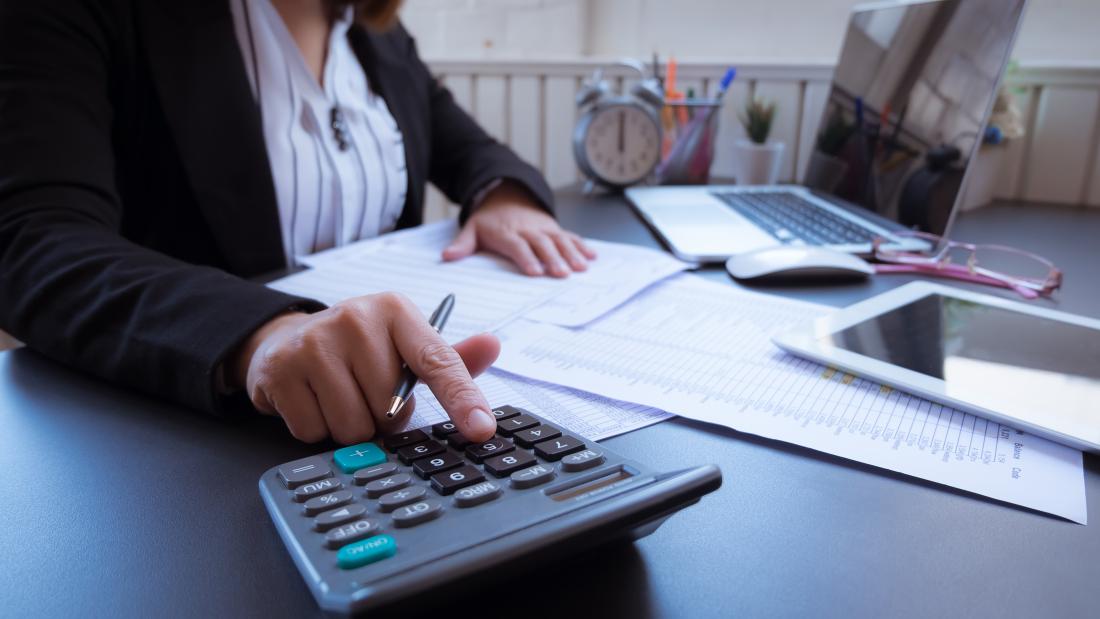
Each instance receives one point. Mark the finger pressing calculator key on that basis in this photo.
(427, 498)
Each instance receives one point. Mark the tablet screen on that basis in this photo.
(999, 359)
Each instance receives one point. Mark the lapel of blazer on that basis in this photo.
(390, 79)
(203, 88)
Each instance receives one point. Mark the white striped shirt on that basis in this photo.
(326, 196)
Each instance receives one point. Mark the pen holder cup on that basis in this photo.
(688, 132)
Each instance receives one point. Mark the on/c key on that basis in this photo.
(358, 554)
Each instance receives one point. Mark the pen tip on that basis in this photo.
(396, 403)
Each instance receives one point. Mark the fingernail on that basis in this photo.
(535, 269)
(481, 422)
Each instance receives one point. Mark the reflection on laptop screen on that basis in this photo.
(913, 88)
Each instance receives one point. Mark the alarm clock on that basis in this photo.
(617, 140)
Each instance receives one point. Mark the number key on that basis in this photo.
(426, 467)
(503, 466)
(528, 438)
(447, 482)
(492, 447)
(504, 412)
(441, 430)
(510, 426)
(420, 450)
(458, 441)
(554, 449)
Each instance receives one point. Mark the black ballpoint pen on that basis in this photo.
(408, 378)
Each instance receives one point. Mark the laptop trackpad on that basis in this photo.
(706, 229)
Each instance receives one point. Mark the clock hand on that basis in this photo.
(622, 131)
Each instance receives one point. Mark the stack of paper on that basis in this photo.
(703, 350)
(489, 290)
(577, 352)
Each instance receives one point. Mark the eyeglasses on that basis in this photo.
(1031, 276)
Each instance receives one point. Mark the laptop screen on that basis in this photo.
(913, 89)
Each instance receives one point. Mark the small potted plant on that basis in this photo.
(757, 159)
(826, 169)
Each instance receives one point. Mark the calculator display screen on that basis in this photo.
(1036, 368)
(591, 486)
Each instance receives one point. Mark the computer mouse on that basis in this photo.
(798, 262)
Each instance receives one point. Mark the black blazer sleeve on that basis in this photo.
(70, 285)
(464, 158)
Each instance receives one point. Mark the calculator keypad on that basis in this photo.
(387, 492)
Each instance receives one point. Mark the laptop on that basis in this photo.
(913, 90)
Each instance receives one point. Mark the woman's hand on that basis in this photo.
(510, 224)
(332, 373)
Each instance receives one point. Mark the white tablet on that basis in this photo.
(1035, 369)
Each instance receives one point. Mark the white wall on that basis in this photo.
(549, 29)
(1054, 30)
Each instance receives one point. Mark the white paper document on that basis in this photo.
(489, 289)
(588, 415)
(703, 350)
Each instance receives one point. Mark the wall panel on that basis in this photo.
(1057, 162)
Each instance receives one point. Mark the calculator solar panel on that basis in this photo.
(372, 523)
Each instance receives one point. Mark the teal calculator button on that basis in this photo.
(351, 459)
(367, 551)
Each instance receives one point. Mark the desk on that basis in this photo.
(115, 505)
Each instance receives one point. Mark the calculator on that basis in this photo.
(373, 523)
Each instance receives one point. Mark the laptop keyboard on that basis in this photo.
(795, 220)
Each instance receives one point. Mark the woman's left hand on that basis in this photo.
(509, 223)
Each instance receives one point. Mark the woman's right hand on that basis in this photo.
(332, 373)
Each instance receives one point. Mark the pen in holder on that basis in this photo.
(690, 127)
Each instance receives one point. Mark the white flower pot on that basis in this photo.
(757, 164)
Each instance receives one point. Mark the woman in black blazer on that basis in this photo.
(136, 199)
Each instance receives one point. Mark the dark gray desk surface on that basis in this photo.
(116, 505)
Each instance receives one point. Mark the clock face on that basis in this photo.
(622, 144)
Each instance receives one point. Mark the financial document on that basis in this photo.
(703, 350)
(489, 289)
(588, 415)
